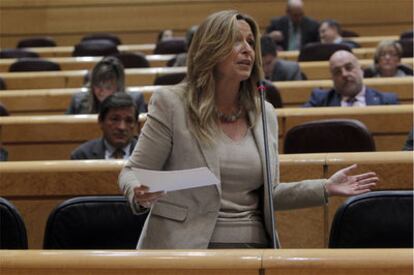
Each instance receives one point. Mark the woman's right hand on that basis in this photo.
(144, 198)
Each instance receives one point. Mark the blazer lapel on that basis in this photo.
(371, 98)
(98, 149)
(210, 154)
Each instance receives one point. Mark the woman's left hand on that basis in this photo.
(343, 184)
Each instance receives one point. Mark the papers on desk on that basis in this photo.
(175, 180)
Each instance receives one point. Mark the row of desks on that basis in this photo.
(135, 77)
(312, 70)
(293, 93)
(66, 51)
(211, 262)
(54, 137)
(36, 187)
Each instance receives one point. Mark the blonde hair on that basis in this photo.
(386, 44)
(212, 42)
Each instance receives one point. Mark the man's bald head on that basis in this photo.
(294, 10)
(346, 73)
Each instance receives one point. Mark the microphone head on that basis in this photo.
(261, 86)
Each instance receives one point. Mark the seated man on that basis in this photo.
(117, 120)
(330, 32)
(276, 69)
(349, 89)
(293, 30)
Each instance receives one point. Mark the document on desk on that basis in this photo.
(175, 180)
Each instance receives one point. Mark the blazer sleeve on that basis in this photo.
(153, 147)
(390, 98)
(302, 194)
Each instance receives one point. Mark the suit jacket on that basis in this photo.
(321, 98)
(79, 103)
(284, 70)
(186, 218)
(309, 29)
(94, 149)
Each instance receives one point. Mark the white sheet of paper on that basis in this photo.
(175, 180)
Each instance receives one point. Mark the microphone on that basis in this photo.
(261, 87)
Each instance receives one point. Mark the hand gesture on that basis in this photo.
(144, 198)
(343, 184)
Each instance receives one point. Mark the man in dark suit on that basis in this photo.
(118, 121)
(349, 89)
(330, 33)
(276, 69)
(293, 30)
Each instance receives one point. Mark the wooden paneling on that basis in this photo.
(334, 261)
(393, 121)
(139, 21)
(211, 262)
(60, 134)
(294, 94)
(36, 187)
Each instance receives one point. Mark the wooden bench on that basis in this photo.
(36, 187)
(54, 137)
(294, 94)
(212, 262)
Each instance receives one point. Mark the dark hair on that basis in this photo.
(109, 68)
(332, 24)
(117, 100)
(267, 46)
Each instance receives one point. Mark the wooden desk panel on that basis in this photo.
(338, 261)
(294, 94)
(212, 262)
(87, 63)
(36, 187)
(394, 169)
(392, 121)
(301, 228)
(76, 79)
(145, 262)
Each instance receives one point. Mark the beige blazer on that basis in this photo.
(186, 219)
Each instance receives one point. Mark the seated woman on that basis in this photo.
(107, 78)
(387, 61)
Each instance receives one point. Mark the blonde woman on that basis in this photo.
(213, 120)
(387, 61)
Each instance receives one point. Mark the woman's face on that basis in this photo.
(239, 63)
(104, 90)
(388, 59)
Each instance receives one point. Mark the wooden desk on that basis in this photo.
(54, 137)
(389, 124)
(211, 262)
(148, 48)
(87, 63)
(313, 70)
(294, 94)
(36, 187)
(75, 79)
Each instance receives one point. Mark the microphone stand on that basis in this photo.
(262, 90)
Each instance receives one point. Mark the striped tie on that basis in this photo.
(118, 154)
